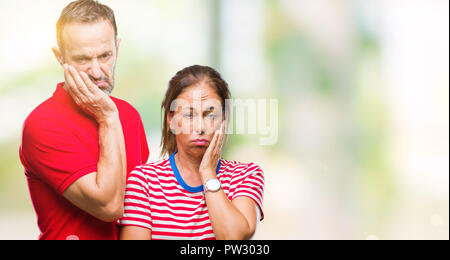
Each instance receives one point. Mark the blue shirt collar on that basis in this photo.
(180, 179)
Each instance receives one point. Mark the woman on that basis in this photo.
(194, 194)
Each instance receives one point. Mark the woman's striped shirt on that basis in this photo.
(157, 198)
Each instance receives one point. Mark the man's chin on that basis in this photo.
(107, 90)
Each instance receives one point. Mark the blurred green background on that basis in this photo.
(362, 88)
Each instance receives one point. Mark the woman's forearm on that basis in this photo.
(135, 233)
(227, 221)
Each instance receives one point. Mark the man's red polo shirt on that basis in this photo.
(59, 146)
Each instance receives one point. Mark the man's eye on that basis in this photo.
(105, 56)
(188, 115)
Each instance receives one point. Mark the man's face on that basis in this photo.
(92, 48)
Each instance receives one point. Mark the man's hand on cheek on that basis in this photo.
(88, 96)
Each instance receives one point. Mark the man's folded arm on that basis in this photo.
(101, 193)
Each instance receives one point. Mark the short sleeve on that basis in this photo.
(137, 204)
(145, 153)
(134, 133)
(54, 155)
(252, 185)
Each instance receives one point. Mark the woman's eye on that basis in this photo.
(212, 116)
(187, 115)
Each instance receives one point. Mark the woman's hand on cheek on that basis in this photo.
(212, 155)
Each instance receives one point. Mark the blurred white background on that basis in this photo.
(362, 85)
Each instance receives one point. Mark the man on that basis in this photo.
(79, 145)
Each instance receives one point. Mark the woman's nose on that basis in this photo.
(199, 125)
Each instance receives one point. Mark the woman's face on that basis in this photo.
(197, 115)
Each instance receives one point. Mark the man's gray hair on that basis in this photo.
(83, 11)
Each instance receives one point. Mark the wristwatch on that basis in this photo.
(212, 185)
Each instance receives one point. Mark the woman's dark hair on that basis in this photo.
(185, 78)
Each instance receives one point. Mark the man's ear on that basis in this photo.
(118, 41)
(58, 55)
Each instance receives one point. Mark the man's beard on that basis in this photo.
(109, 89)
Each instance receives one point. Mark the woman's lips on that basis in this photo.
(200, 142)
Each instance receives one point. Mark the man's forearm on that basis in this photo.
(101, 193)
(111, 167)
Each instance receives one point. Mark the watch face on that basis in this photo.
(213, 185)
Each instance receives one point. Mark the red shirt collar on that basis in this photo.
(63, 98)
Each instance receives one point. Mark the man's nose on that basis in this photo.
(95, 70)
